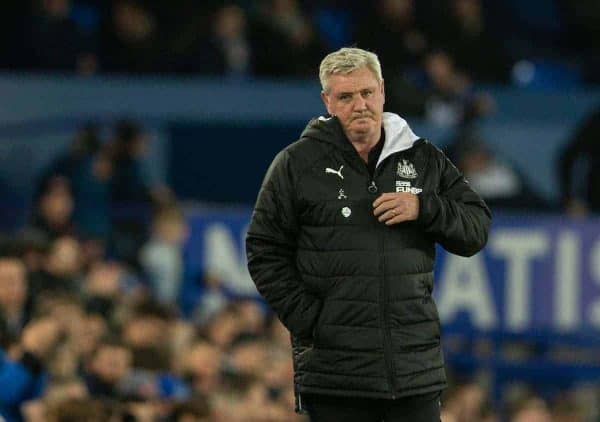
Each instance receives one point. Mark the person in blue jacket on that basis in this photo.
(24, 378)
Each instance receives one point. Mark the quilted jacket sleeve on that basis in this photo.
(455, 215)
(271, 251)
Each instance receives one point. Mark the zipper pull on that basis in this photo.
(372, 187)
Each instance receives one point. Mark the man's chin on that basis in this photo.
(358, 134)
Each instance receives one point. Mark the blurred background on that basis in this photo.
(134, 135)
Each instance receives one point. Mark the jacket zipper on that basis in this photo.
(387, 342)
(383, 294)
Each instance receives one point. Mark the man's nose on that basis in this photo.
(360, 103)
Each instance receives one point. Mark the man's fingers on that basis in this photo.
(393, 208)
(382, 198)
(387, 215)
(383, 207)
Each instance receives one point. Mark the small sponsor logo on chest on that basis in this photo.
(404, 186)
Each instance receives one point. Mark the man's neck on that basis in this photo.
(364, 145)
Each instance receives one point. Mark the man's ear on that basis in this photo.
(325, 99)
(383, 90)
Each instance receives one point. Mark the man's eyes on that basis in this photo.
(347, 97)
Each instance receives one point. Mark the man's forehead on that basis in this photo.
(353, 81)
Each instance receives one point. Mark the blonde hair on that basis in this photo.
(347, 60)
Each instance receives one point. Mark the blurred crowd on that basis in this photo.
(283, 38)
(435, 55)
(91, 327)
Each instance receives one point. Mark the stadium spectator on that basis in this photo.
(24, 377)
(87, 168)
(161, 258)
(451, 99)
(582, 145)
(131, 42)
(52, 40)
(463, 32)
(252, 316)
(226, 50)
(129, 183)
(286, 42)
(132, 191)
(248, 355)
(53, 213)
(495, 179)
(147, 333)
(15, 308)
(154, 37)
(61, 270)
(88, 335)
(223, 327)
(105, 287)
(202, 366)
(86, 142)
(392, 32)
(110, 363)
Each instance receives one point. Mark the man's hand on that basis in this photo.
(396, 207)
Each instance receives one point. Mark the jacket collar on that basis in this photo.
(398, 136)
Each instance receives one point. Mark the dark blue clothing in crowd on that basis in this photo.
(20, 381)
(92, 200)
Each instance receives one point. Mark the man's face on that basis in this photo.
(64, 259)
(13, 285)
(111, 363)
(357, 100)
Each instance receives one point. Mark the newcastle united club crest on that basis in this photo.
(406, 170)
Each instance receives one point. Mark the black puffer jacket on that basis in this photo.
(355, 293)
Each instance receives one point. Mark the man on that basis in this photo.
(341, 246)
(14, 306)
(108, 369)
(25, 378)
